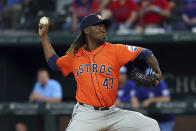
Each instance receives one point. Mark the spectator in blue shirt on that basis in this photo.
(124, 88)
(144, 97)
(188, 17)
(189, 14)
(46, 89)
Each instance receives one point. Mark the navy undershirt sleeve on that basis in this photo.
(145, 54)
(52, 62)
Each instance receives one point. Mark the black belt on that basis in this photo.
(97, 108)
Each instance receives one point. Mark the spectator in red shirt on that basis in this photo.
(152, 13)
(123, 11)
(81, 8)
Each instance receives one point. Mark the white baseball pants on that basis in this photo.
(85, 118)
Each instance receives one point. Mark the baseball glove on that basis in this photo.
(144, 80)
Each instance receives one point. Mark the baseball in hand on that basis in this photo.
(43, 21)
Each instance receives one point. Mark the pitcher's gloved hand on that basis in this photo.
(144, 80)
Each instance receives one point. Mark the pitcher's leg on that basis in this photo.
(77, 125)
(123, 120)
(85, 119)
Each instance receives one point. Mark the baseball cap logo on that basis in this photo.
(99, 17)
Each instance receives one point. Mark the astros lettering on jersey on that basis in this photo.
(97, 72)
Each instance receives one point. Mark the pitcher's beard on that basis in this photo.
(101, 41)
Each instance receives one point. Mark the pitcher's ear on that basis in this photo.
(87, 30)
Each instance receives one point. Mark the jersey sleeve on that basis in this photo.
(65, 64)
(126, 53)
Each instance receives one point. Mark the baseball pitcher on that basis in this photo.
(95, 65)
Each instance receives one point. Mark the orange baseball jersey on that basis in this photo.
(97, 72)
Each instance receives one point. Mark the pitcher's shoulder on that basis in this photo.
(113, 45)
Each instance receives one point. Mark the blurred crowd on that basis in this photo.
(128, 16)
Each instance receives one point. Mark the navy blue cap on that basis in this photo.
(93, 19)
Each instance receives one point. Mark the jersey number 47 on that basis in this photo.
(108, 83)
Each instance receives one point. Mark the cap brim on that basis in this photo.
(106, 22)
